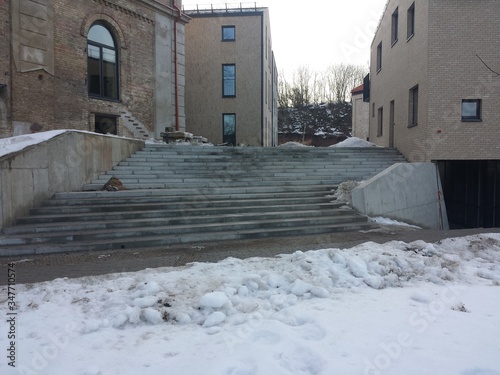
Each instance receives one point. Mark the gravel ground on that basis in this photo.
(30, 269)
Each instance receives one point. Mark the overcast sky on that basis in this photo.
(318, 33)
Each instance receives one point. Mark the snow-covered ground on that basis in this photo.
(396, 308)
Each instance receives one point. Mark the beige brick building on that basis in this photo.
(99, 65)
(434, 94)
(231, 76)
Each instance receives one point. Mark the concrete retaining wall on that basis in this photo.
(409, 192)
(63, 163)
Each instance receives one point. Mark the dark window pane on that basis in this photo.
(229, 124)
(102, 63)
(105, 125)
(228, 33)
(471, 109)
(94, 76)
(109, 80)
(229, 80)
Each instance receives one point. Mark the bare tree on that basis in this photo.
(342, 79)
(284, 91)
(301, 86)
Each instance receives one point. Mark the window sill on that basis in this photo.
(96, 97)
(410, 37)
(228, 96)
(472, 120)
(379, 70)
(412, 125)
(228, 40)
(394, 43)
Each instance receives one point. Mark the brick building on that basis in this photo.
(111, 66)
(434, 89)
(231, 76)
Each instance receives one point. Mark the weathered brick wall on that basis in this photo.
(4, 68)
(61, 100)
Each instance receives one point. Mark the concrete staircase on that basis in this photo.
(135, 127)
(180, 194)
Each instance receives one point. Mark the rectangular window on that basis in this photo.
(228, 33)
(228, 80)
(229, 128)
(411, 21)
(395, 26)
(379, 57)
(380, 129)
(471, 110)
(413, 107)
(106, 124)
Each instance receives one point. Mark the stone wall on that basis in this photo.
(62, 164)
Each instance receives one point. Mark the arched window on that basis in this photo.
(102, 63)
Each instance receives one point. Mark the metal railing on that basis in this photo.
(227, 7)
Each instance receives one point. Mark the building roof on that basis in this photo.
(358, 90)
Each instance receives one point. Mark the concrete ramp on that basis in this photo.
(409, 192)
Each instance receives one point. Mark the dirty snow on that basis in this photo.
(343, 193)
(396, 308)
(386, 221)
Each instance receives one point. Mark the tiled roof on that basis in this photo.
(357, 90)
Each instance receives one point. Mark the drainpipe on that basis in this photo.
(176, 79)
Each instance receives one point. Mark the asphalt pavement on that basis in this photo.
(38, 268)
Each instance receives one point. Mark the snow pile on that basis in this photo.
(20, 142)
(315, 312)
(354, 142)
(386, 221)
(293, 144)
(343, 193)
(210, 294)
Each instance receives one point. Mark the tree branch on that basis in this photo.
(486, 65)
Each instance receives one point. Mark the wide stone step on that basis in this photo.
(185, 191)
(201, 208)
(181, 229)
(226, 180)
(218, 184)
(162, 240)
(109, 199)
(192, 218)
(132, 206)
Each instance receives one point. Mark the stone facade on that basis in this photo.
(48, 85)
(442, 58)
(255, 101)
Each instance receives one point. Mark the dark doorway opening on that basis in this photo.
(471, 191)
(106, 124)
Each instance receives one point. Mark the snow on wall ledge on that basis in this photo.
(410, 192)
(34, 167)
